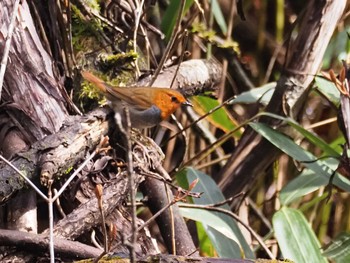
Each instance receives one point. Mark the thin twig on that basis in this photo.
(259, 213)
(97, 15)
(58, 204)
(272, 63)
(99, 195)
(228, 200)
(320, 123)
(8, 44)
(176, 187)
(150, 53)
(212, 162)
(184, 45)
(94, 241)
(96, 260)
(50, 206)
(130, 172)
(138, 14)
(170, 43)
(73, 175)
(210, 148)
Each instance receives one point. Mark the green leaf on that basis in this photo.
(339, 249)
(218, 15)
(219, 118)
(306, 183)
(225, 247)
(328, 89)
(205, 245)
(261, 94)
(170, 16)
(337, 48)
(210, 219)
(295, 237)
(288, 146)
(317, 141)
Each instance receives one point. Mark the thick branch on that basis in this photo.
(157, 198)
(57, 153)
(40, 243)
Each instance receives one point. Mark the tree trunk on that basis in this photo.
(33, 104)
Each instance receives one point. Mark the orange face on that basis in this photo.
(168, 101)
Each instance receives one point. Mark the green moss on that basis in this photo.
(68, 170)
(212, 37)
(89, 91)
(94, 4)
(84, 31)
(121, 58)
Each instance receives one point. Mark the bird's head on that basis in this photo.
(168, 101)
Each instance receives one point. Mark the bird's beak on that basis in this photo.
(187, 103)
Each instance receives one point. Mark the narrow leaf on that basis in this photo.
(328, 89)
(288, 146)
(295, 237)
(170, 16)
(219, 17)
(219, 118)
(210, 219)
(339, 249)
(261, 94)
(305, 183)
(224, 246)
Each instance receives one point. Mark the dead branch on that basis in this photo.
(39, 243)
(56, 154)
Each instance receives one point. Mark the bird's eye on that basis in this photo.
(174, 99)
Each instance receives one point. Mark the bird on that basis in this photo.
(148, 106)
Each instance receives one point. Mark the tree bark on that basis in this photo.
(31, 92)
(39, 243)
(33, 102)
(157, 198)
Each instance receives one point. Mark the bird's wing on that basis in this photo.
(140, 97)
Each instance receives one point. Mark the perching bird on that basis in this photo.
(148, 106)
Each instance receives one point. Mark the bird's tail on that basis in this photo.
(94, 80)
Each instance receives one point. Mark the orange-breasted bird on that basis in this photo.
(148, 106)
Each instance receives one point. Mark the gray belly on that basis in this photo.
(140, 118)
